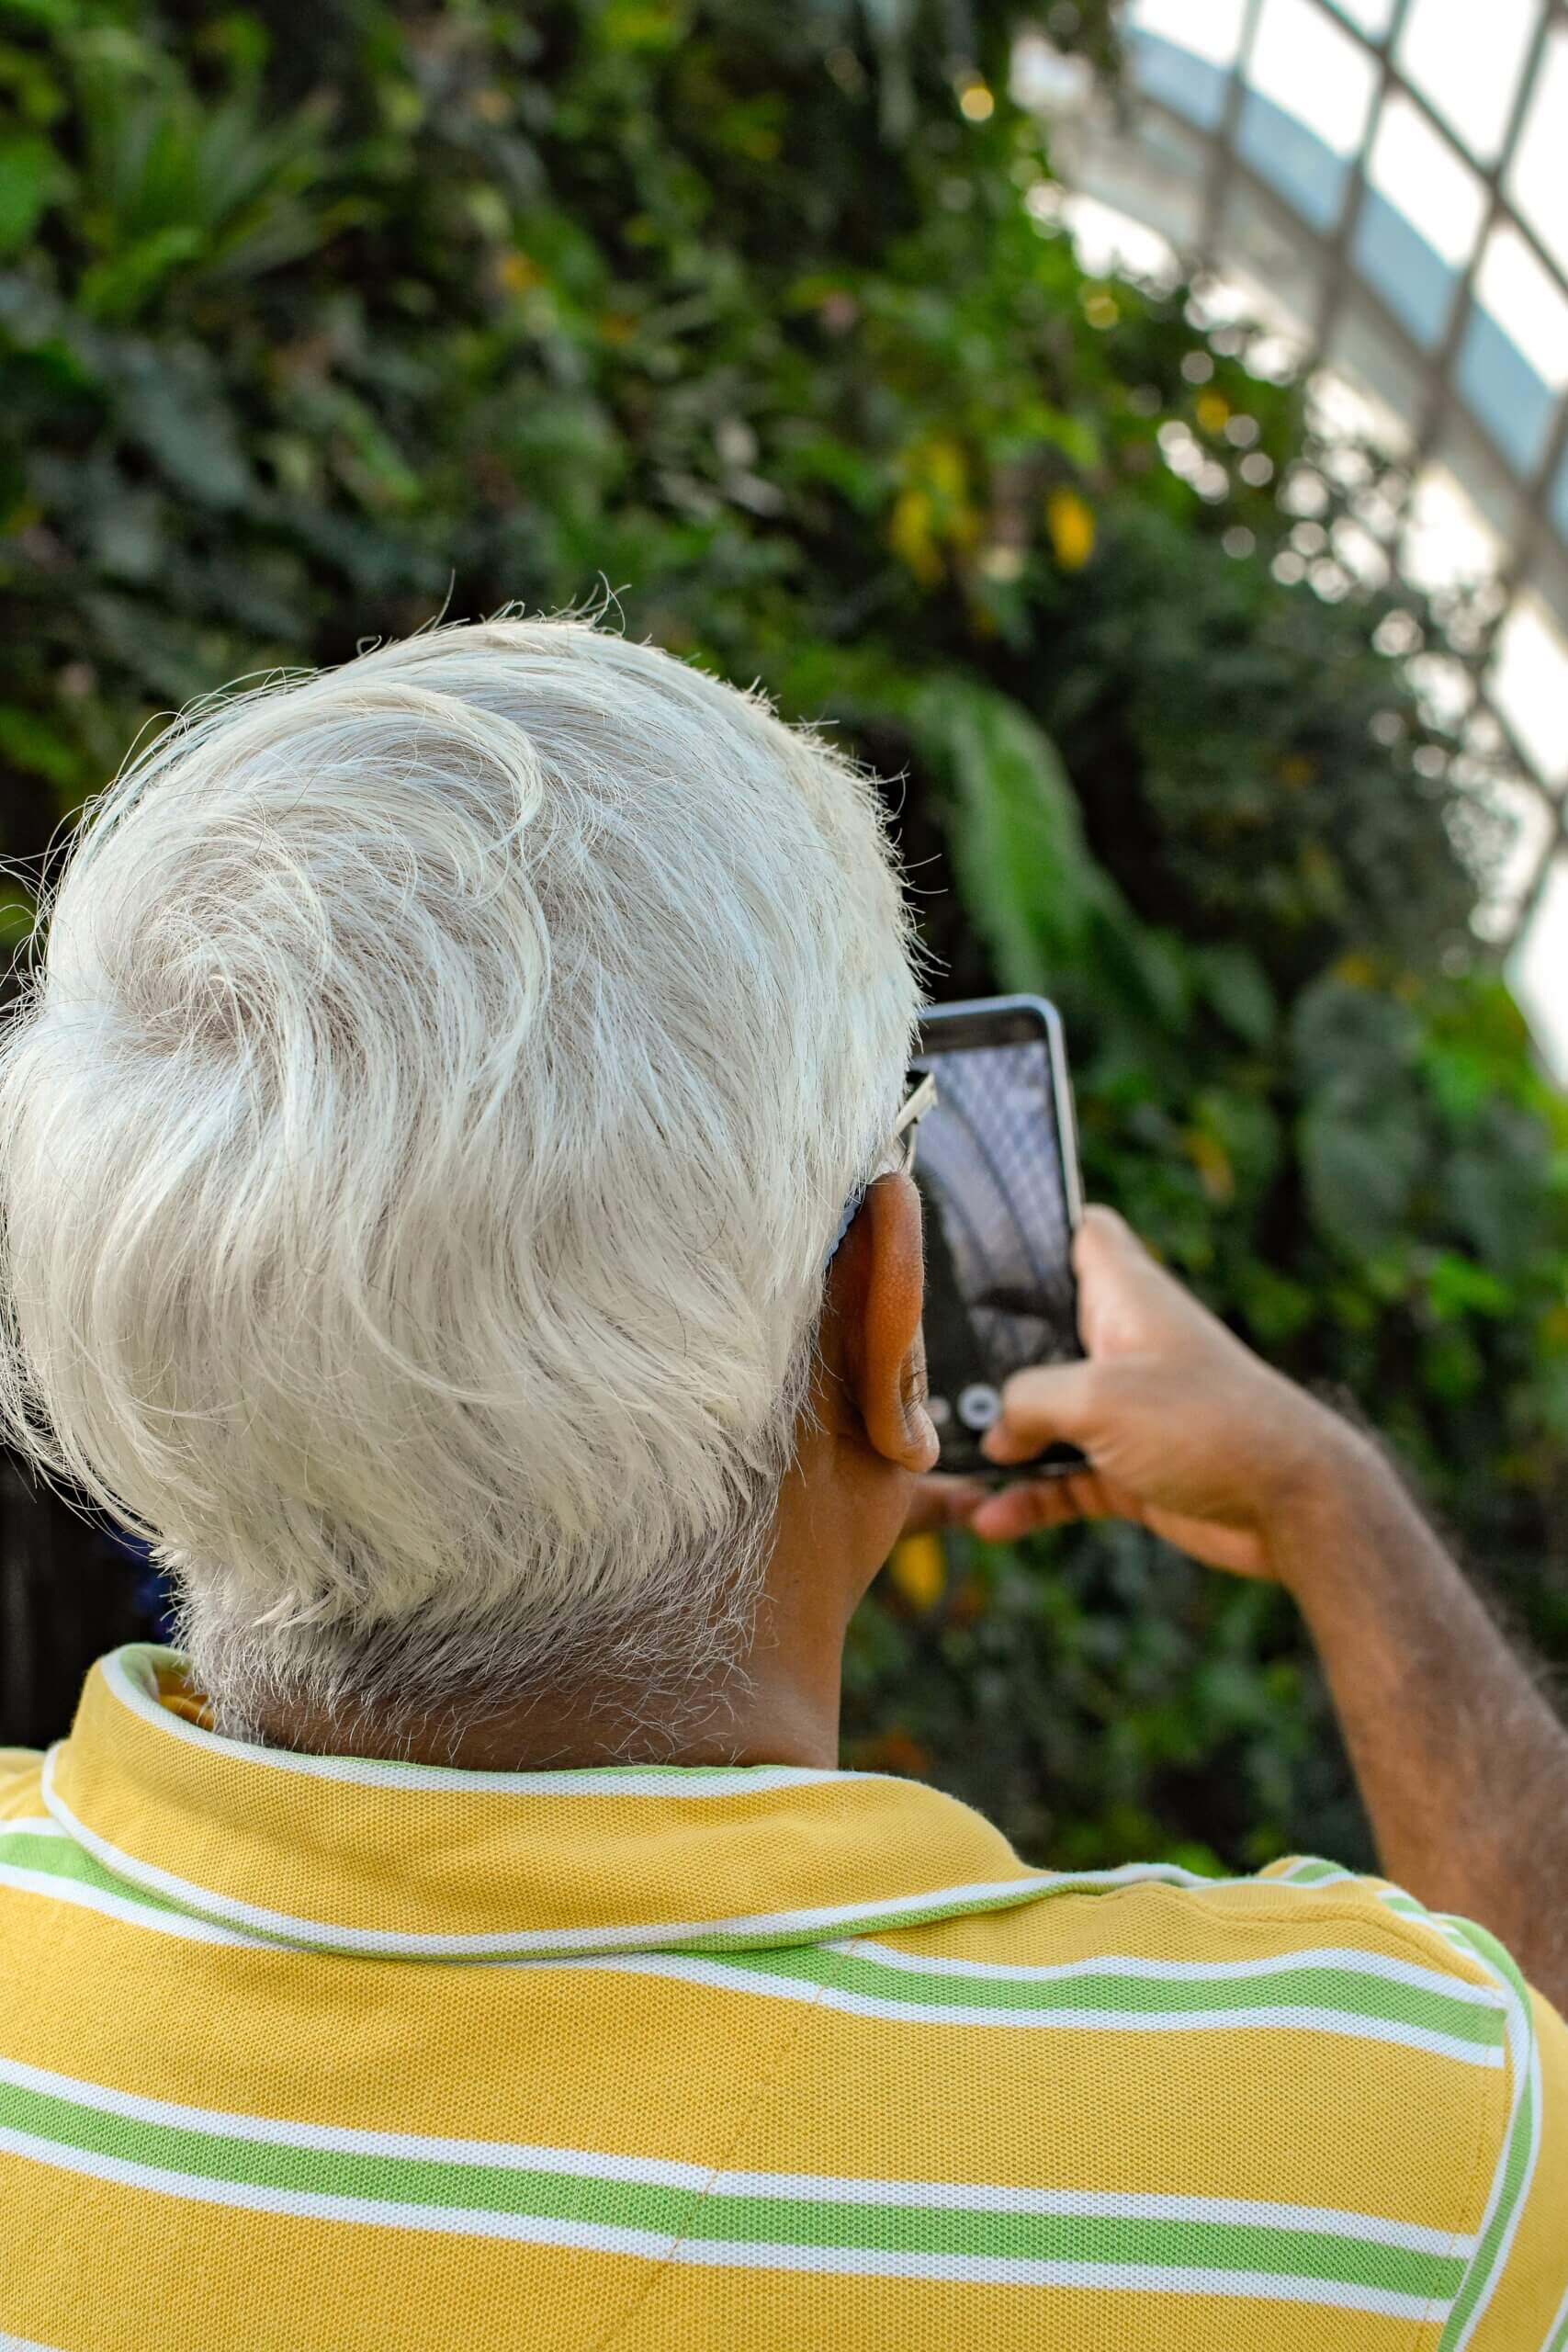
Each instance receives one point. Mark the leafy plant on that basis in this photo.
(314, 321)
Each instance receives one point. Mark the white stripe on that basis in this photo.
(129, 1674)
(658, 2172)
(1181, 1972)
(61, 1889)
(656, 2245)
(523, 1940)
(24, 2344)
(697, 1968)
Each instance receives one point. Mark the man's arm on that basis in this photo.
(1463, 1764)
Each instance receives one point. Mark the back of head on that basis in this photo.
(418, 1151)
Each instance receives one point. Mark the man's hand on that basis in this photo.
(1186, 1429)
(1460, 1760)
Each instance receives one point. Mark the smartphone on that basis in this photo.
(997, 1166)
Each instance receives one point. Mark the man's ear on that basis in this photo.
(879, 1303)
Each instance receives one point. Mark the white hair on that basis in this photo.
(420, 1143)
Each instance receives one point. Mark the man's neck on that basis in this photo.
(775, 1723)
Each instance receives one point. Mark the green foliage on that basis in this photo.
(314, 321)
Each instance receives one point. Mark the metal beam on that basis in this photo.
(1337, 265)
(1497, 209)
(1223, 161)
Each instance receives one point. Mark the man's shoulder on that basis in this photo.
(1298, 1910)
(1347, 1968)
(1306, 2050)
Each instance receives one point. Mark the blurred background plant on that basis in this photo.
(761, 327)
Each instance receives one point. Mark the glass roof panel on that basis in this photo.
(1513, 360)
(1310, 176)
(1312, 70)
(1274, 251)
(1111, 242)
(1447, 543)
(1212, 32)
(1373, 16)
(1469, 80)
(1193, 86)
(1529, 685)
(1414, 166)
(1378, 361)
(1471, 458)
(1538, 966)
(1400, 261)
(1530, 308)
(1538, 179)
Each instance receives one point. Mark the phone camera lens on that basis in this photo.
(979, 1406)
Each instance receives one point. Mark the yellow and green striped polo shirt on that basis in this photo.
(306, 2054)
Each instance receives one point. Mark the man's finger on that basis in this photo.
(1048, 1402)
(1020, 1510)
(941, 1501)
(1035, 1503)
(1104, 1237)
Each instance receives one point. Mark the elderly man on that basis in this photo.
(419, 1157)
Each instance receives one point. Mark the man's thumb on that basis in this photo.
(1047, 1403)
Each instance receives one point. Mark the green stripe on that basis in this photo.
(890, 2228)
(1306, 1987)
(27, 1849)
(1516, 2179)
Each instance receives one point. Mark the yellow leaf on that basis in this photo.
(945, 468)
(519, 271)
(919, 1569)
(1071, 526)
(1213, 411)
(909, 534)
(1211, 1160)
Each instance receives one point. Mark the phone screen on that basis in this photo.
(995, 1168)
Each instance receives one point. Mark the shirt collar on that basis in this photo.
(420, 1861)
